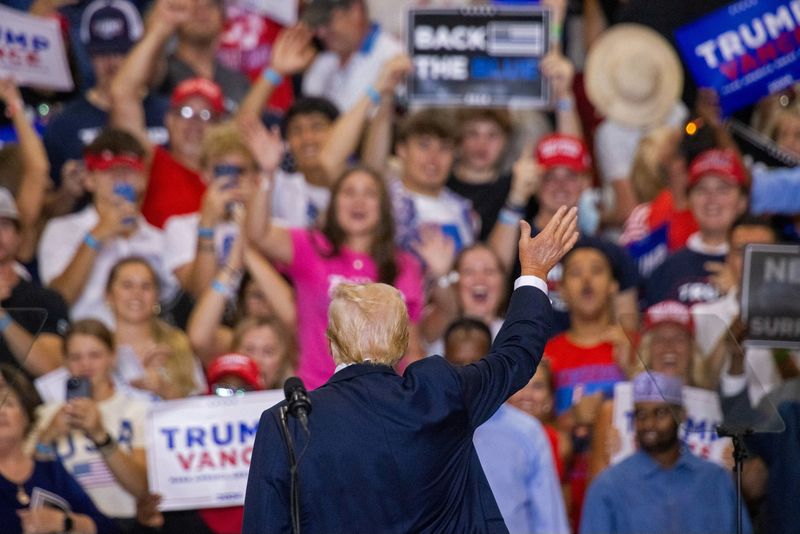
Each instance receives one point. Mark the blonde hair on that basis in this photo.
(647, 173)
(697, 371)
(180, 363)
(367, 322)
(223, 139)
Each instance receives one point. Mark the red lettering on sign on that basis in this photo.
(186, 463)
(227, 458)
(767, 53)
(729, 69)
(205, 461)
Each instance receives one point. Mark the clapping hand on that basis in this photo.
(537, 255)
(266, 145)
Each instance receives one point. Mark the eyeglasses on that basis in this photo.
(225, 391)
(203, 115)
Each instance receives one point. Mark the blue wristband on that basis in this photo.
(272, 76)
(90, 241)
(204, 232)
(509, 217)
(374, 95)
(5, 322)
(220, 288)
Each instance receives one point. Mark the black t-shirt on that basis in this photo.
(488, 199)
(37, 310)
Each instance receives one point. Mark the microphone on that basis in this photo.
(297, 403)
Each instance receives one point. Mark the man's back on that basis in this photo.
(395, 454)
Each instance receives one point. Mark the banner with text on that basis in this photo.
(746, 50)
(698, 432)
(32, 51)
(771, 295)
(199, 449)
(487, 56)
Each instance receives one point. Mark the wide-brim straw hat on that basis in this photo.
(633, 75)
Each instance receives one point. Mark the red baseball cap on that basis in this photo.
(201, 87)
(669, 311)
(723, 163)
(235, 364)
(559, 150)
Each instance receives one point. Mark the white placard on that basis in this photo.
(32, 51)
(703, 414)
(198, 453)
(283, 12)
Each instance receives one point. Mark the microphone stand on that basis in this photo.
(737, 435)
(294, 491)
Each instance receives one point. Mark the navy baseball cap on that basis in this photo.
(110, 27)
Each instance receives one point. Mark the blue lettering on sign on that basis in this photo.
(34, 42)
(222, 434)
(246, 431)
(504, 69)
(170, 433)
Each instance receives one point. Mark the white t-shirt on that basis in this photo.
(124, 418)
(297, 203)
(345, 84)
(180, 233)
(63, 236)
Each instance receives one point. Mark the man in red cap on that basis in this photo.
(717, 192)
(77, 251)
(175, 186)
(562, 172)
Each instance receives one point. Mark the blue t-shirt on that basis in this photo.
(683, 277)
(49, 476)
(79, 123)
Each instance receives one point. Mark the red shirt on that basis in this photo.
(223, 520)
(681, 223)
(172, 189)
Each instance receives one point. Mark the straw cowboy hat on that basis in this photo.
(633, 75)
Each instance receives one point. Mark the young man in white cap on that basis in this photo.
(662, 488)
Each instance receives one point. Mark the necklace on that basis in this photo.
(22, 495)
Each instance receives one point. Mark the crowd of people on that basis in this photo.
(176, 226)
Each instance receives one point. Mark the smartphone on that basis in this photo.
(126, 192)
(78, 387)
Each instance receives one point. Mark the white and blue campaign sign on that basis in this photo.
(32, 51)
(483, 56)
(698, 431)
(746, 50)
(198, 453)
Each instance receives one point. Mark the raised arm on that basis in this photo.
(276, 289)
(292, 53)
(560, 72)
(267, 147)
(130, 83)
(347, 131)
(519, 345)
(35, 169)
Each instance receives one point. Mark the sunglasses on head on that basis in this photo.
(225, 391)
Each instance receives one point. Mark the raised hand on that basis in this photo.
(218, 196)
(293, 51)
(393, 73)
(526, 177)
(560, 72)
(539, 254)
(265, 145)
(117, 218)
(436, 249)
(168, 15)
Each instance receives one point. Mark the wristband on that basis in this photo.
(5, 322)
(266, 183)
(220, 288)
(516, 208)
(446, 280)
(509, 217)
(91, 241)
(107, 446)
(565, 104)
(272, 76)
(374, 95)
(204, 232)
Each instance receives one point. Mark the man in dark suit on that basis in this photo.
(391, 453)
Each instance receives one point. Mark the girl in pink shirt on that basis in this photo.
(356, 245)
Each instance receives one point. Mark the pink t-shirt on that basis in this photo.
(314, 276)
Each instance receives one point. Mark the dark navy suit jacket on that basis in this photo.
(393, 453)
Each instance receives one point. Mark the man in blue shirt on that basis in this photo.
(662, 488)
(512, 448)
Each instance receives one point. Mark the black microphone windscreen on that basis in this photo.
(292, 384)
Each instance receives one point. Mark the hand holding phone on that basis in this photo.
(78, 387)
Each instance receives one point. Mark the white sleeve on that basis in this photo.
(59, 244)
(529, 280)
(615, 148)
(180, 240)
